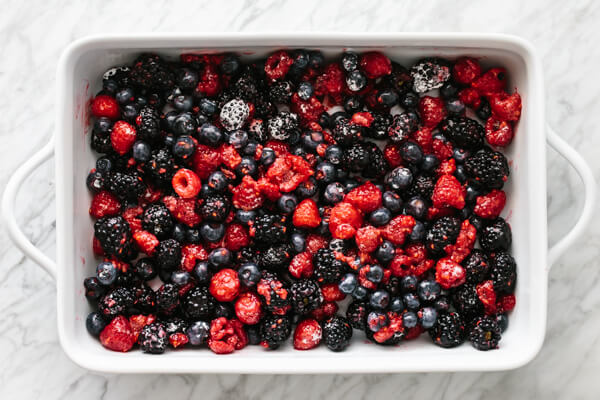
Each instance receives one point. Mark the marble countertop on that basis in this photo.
(32, 35)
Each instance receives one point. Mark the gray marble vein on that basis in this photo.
(32, 36)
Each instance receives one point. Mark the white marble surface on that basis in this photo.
(32, 35)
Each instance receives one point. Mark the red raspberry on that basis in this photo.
(308, 335)
(448, 191)
(229, 156)
(146, 241)
(447, 167)
(268, 189)
(247, 195)
(122, 137)
(498, 133)
(210, 82)
(432, 111)
(315, 242)
(362, 118)
(178, 339)
(391, 153)
(236, 237)
(398, 228)
(366, 197)
(306, 214)
(325, 311)
(331, 82)
(151, 195)
(413, 333)
(132, 216)
(118, 335)
(138, 322)
(506, 303)
(331, 292)
(183, 210)
(394, 325)
(191, 254)
(97, 247)
(248, 308)
(442, 150)
(487, 295)
(401, 265)
(104, 204)
(288, 172)
(490, 206)
(186, 183)
(435, 212)
(205, 161)
(368, 238)
(470, 97)
(506, 107)
(280, 148)
(278, 64)
(308, 110)
(344, 220)
(466, 70)
(449, 274)
(226, 336)
(105, 106)
(424, 138)
(493, 81)
(464, 242)
(375, 64)
(225, 285)
(301, 265)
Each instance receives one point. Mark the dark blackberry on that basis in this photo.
(496, 236)
(357, 315)
(118, 75)
(485, 334)
(153, 338)
(198, 303)
(467, 302)
(503, 272)
(275, 257)
(337, 333)
(379, 126)
(168, 254)
(161, 167)
(151, 72)
(269, 229)
(283, 126)
(281, 92)
(257, 130)
(449, 330)
(463, 132)
(114, 235)
(393, 286)
(274, 330)
(158, 221)
(215, 208)
(127, 277)
(247, 255)
(126, 186)
(116, 302)
(356, 157)
(246, 86)
(484, 111)
(167, 299)
(148, 125)
(488, 168)
(422, 186)
(443, 232)
(175, 325)
(327, 268)
(345, 132)
(273, 291)
(306, 296)
(477, 266)
(144, 298)
(378, 165)
(400, 78)
(100, 142)
(429, 73)
(263, 107)
(402, 126)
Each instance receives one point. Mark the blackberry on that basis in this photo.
(215, 208)
(148, 125)
(378, 165)
(337, 333)
(151, 72)
(158, 221)
(269, 229)
(356, 157)
(247, 255)
(400, 78)
(246, 86)
(496, 236)
(167, 299)
(258, 131)
(345, 132)
(127, 277)
(234, 114)
(175, 325)
(467, 302)
(198, 303)
(429, 73)
(144, 298)
(357, 315)
(274, 330)
(126, 186)
(281, 92)
(100, 142)
(485, 334)
(327, 268)
(273, 292)
(168, 254)
(464, 132)
(275, 257)
(503, 272)
(153, 338)
(116, 302)
(443, 232)
(476, 266)
(263, 107)
(449, 330)
(284, 125)
(118, 75)
(488, 168)
(306, 296)
(402, 126)
(160, 168)
(114, 235)
(393, 286)
(422, 186)
(379, 126)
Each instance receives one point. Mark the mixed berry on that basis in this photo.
(242, 203)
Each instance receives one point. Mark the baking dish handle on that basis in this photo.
(8, 209)
(589, 185)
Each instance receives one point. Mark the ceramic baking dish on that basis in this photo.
(78, 79)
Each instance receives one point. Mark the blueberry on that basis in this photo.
(374, 273)
(217, 181)
(356, 81)
(201, 119)
(145, 268)
(460, 155)
(305, 90)
(441, 304)
(212, 232)
(334, 154)
(411, 152)
(94, 290)
(210, 135)
(179, 233)
(104, 164)
(385, 252)
(307, 188)
(411, 301)
(429, 290)
(102, 126)
(392, 201)
(125, 96)
(238, 139)
(380, 217)
(106, 272)
(245, 216)
(250, 148)
(184, 147)
(418, 232)
(249, 274)
(298, 242)
(387, 98)
(95, 323)
(430, 163)
(325, 172)
(192, 235)
(298, 151)
(141, 151)
(129, 112)
(409, 100)
(208, 106)
(409, 283)
(183, 103)
(461, 173)
(187, 78)
(409, 319)
(338, 116)
(198, 332)
(325, 120)
(334, 193)
(230, 64)
(455, 106)
(267, 157)
(348, 284)
(449, 90)
(287, 203)
(185, 124)
(316, 59)
(201, 271)
(352, 104)
(360, 293)
(502, 320)
(247, 166)
(350, 184)
(301, 59)
(220, 257)
(95, 181)
(311, 139)
(396, 305)
(427, 317)
(376, 320)
(400, 178)
(180, 277)
(169, 120)
(471, 194)
(349, 61)
(416, 207)
(169, 140)
(379, 299)
(484, 111)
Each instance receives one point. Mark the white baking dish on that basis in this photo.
(78, 79)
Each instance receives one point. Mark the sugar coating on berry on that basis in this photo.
(234, 114)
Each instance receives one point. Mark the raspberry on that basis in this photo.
(248, 308)
(268, 189)
(362, 118)
(186, 183)
(308, 110)
(122, 137)
(367, 239)
(366, 197)
(118, 335)
(205, 161)
(178, 339)
(229, 156)
(104, 204)
(226, 336)
(470, 97)
(344, 220)
(308, 335)
(315, 242)
(183, 210)
(398, 229)
(301, 265)
(442, 150)
(391, 152)
(448, 191)
(490, 205)
(210, 82)
(493, 81)
(487, 295)
(447, 167)
(375, 64)
(466, 70)
(464, 242)
(138, 322)
(280, 148)
(331, 292)
(146, 241)
(306, 214)
(325, 311)
(105, 106)
(247, 195)
(331, 82)
(498, 133)
(191, 254)
(236, 237)
(278, 64)
(449, 274)
(431, 111)
(131, 215)
(506, 303)
(288, 172)
(225, 285)
(506, 107)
